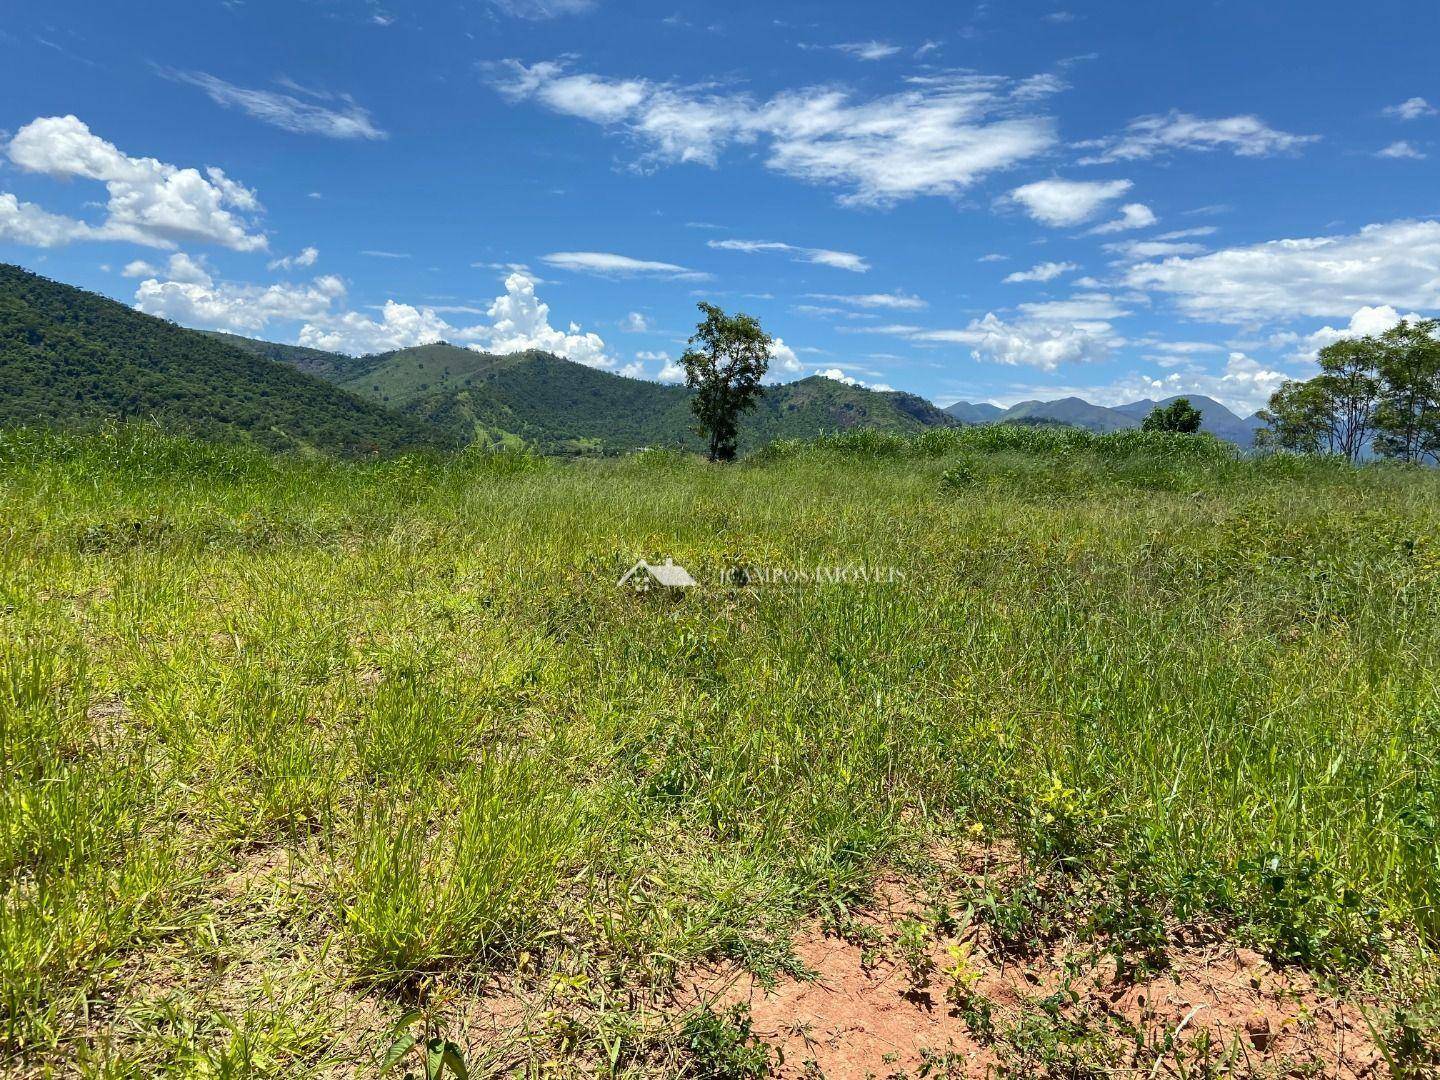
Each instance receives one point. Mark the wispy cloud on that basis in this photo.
(608, 264)
(840, 260)
(1155, 136)
(538, 10)
(346, 120)
(1331, 276)
(869, 50)
(890, 301)
(938, 137)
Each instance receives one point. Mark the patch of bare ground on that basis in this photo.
(893, 994)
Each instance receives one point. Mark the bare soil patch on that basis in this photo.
(886, 1001)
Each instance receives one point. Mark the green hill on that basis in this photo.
(71, 357)
(563, 407)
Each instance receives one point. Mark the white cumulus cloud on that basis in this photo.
(1059, 203)
(521, 321)
(783, 358)
(1366, 322)
(31, 225)
(1401, 150)
(197, 300)
(400, 326)
(150, 202)
(1411, 109)
(1244, 384)
(518, 321)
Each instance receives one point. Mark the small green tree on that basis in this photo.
(1298, 418)
(725, 370)
(1333, 413)
(1407, 415)
(1179, 416)
(1349, 380)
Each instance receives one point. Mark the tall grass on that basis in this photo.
(1193, 685)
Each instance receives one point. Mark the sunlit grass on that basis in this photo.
(1139, 658)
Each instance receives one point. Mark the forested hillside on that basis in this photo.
(71, 357)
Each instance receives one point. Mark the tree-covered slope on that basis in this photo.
(71, 357)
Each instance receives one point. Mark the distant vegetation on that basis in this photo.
(1375, 395)
(340, 740)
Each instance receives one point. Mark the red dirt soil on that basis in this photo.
(861, 1016)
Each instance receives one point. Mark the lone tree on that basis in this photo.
(727, 358)
(1179, 416)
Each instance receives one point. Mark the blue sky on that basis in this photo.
(979, 201)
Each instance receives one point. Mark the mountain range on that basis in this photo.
(70, 357)
(1077, 412)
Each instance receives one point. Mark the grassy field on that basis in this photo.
(293, 746)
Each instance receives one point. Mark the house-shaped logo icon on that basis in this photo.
(668, 574)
